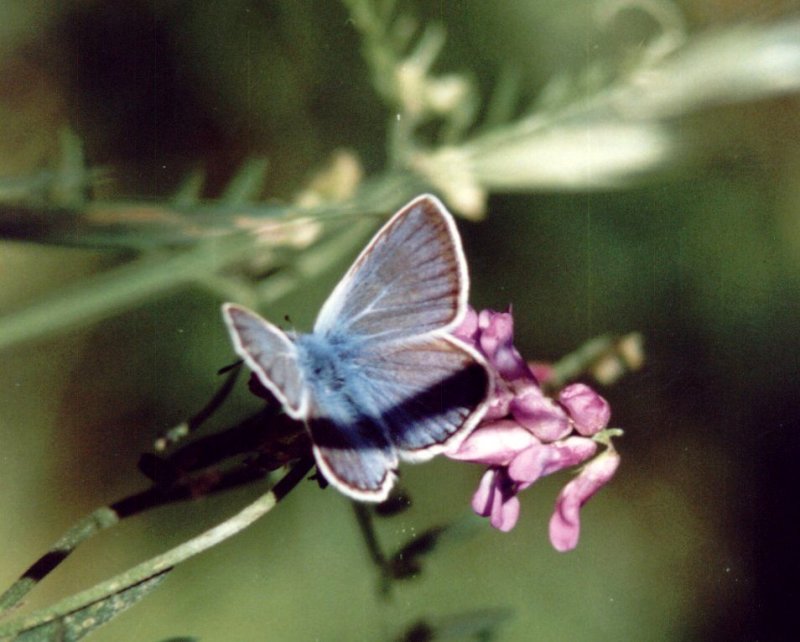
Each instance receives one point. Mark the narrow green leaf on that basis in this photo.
(246, 186)
(505, 97)
(72, 176)
(80, 623)
(191, 188)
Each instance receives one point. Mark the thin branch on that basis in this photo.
(366, 525)
(101, 519)
(107, 516)
(605, 358)
(186, 428)
(167, 560)
(120, 288)
(175, 484)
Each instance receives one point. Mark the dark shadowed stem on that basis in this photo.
(364, 519)
(166, 561)
(108, 516)
(367, 527)
(183, 430)
(85, 528)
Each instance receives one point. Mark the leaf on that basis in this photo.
(398, 502)
(406, 562)
(74, 626)
(480, 624)
(247, 183)
(190, 190)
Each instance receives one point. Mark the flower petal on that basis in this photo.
(468, 330)
(499, 402)
(495, 499)
(497, 343)
(528, 465)
(493, 444)
(588, 410)
(565, 523)
(540, 414)
(505, 514)
(483, 497)
(540, 460)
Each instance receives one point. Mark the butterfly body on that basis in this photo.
(329, 360)
(335, 380)
(380, 378)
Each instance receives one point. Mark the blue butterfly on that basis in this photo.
(380, 378)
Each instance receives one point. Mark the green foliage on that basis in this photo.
(83, 621)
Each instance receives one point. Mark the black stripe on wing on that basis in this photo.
(428, 393)
(354, 457)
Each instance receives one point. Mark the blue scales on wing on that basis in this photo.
(354, 455)
(373, 404)
(426, 393)
(270, 354)
(352, 449)
(410, 280)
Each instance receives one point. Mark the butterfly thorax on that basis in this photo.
(329, 363)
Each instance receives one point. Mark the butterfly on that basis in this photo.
(380, 379)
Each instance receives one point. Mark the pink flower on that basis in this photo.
(496, 499)
(526, 435)
(468, 330)
(540, 414)
(565, 524)
(496, 341)
(495, 443)
(588, 410)
(492, 333)
(542, 460)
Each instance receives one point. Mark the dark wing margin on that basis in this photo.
(354, 457)
(411, 279)
(270, 354)
(429, 394)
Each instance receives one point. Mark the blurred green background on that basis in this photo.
(695, 539)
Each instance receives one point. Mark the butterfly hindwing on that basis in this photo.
(428, 394)
(270, 354)
(410, 280)
(355, 456)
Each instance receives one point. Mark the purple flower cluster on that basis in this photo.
(526, 435)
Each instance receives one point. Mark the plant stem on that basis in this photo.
(167, 560)
(99, 520)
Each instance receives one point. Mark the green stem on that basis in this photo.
(115, 290)
(167, 560)
(90, 525)
(120, 288)
(590, 354)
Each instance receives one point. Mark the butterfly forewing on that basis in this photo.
(270, 354)
(410, 280)
(427, 394)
